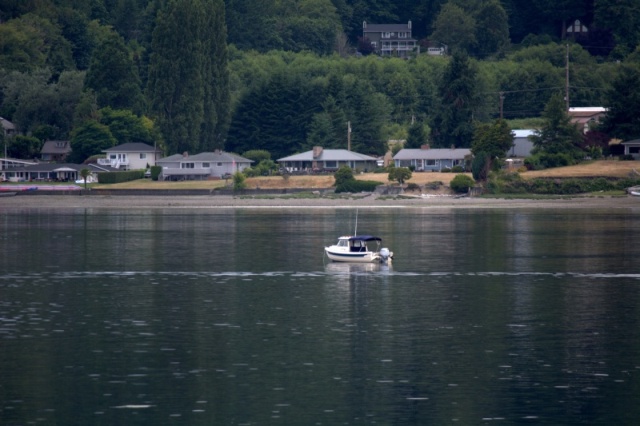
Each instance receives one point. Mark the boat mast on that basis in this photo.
(355, 234)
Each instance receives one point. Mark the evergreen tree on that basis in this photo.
(494, 139)
(187, 74)
(557, 135)
(455, 28)
(623, 104)
(113, 76)
(492, 29)
(453, 120)
(417, 136)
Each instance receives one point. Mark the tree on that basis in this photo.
(455, 28)
(623, 105)
(492, 29)
(85, 174)
(88, 139)
(557, 135)
(188, 83)
(453, 120)
(26, 147)
(417, 136)
(113, 76)
(399, 174)
(494, 139)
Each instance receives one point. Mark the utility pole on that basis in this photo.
(348, 136)
(566, 79)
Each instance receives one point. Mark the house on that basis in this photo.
(55, 151)
(7, 127)
(202, 166)
(131, 156)
(46, 172)
(585, 117)
(522, 145)
(427, 159)
(320, 159)
(632, 148)
(389, 39)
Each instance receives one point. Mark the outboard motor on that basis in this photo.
(384, 255)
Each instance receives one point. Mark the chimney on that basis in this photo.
(185, 154)
(425, 146)
(317, 151)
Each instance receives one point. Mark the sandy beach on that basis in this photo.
(277, 201)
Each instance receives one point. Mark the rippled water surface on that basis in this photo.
(235, 317)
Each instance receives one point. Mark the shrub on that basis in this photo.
(434, 185)
(461, 183)
(413, 187)
(239, 181)
(399, 174)
(155, 172)
(480, 166)
(117, 177)
(457, 169)
(357, 186)
(343, 174)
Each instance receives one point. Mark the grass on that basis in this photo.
(603, 168)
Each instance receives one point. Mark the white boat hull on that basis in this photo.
(338, 254)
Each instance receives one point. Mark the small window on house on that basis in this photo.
(331, 164)
(430, 162)
(219, 164)
(188, 165)
(206, 165)
(143, 155)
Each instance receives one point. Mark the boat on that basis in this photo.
(355, 248)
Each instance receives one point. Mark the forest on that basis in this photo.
(285, 75)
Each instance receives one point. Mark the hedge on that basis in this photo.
(117, 177)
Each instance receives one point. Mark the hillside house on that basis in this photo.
(390, 39)
(55, 151)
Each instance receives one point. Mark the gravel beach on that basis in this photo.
(276, 201)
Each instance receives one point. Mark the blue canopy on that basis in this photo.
(365, 238)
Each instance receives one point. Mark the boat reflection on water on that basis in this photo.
(356, 268)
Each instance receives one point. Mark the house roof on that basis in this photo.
(632, 142)
(432, 154)
(6, 124)
(329, 155)
(132, 147)
(50, 167)
(56, 147)
(378, 28)
(213, 157)
(523, 133)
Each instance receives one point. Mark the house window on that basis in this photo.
(430, 162)
(143, 155)
(402, 35)
(331, 164)
(187, 165)
(634, 150)
(113, 156)
(206, 165)
(219, 164)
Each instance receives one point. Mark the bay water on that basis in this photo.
(236, 317)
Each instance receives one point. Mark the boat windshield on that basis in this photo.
(343, 243)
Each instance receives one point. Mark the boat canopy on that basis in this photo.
(365, 238)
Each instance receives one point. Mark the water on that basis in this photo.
(234, 317)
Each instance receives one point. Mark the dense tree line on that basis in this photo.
(284, 75)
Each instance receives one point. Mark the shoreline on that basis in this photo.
(279, 201)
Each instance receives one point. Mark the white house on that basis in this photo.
(131, 156)
(202, 166)
(632, 148)
(320, 159)
(427, 159)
